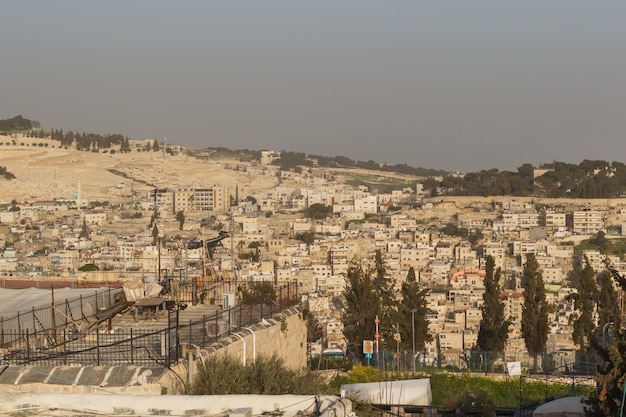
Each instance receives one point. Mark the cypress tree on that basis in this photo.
(494, 327)
(584, 300)
(535, 325)
(413, 298)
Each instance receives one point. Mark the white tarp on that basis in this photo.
(408, 392)
(563, 407)
(137, 289)
(133, 290)
(65, 404)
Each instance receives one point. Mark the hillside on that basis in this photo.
(47, 172)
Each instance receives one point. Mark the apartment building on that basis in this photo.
(510, 221)
(402, 222)
(521, 248)
(366, 204)
(163, 198)
(416, 256)
(554, 221)
(444, 250)
(587, 222)
(215, 198)
(339, 259)
(464, 254)
(553, 274)
(497, 250)
(528, 219)
(96, 217)
(560, 251)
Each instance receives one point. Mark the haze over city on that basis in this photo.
(455, 86)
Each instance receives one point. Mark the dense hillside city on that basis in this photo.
(431, 262)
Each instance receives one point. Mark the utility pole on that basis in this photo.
(232, 250)
(413, 310)
(377, 336)
(204, 255)
(159, 257)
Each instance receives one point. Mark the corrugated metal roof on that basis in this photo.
(23, 300)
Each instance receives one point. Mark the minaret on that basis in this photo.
(78, 196)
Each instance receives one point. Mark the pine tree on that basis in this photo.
(612, 364)
(413, 299)
(494, 327)
(360, 309)
(585, 300)
(535, 325)
(608, 302)
(384, 290)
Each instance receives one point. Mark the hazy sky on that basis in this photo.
(455, 85)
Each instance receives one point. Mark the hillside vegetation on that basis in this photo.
(589, 179)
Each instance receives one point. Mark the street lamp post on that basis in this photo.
(604, 332)
(376, 337)
(413, 310)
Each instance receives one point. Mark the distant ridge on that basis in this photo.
(589, 179)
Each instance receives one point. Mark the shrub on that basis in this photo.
(266, 376)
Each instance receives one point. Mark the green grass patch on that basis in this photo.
(613, 247)
(379, 183)
(451, 389)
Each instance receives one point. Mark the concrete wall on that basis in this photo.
(284, 336)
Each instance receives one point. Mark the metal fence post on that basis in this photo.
(132, 349)
(27, 345)
(33, 313)
(204, 333)
(97, 347)
(217, 328)
(229, 315)
(64, 349)
(177, 334)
